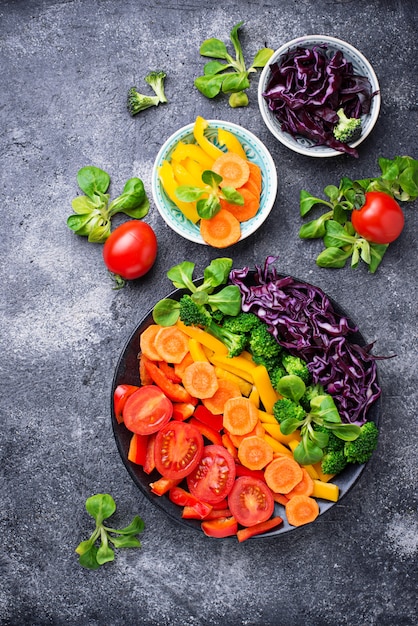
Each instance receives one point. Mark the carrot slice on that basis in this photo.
(147, 342)
(240, 416)
(283, 474)
(262, 527)
(251, 186)
(171, 344)
(255, 453)
(180, 367)
(304, 488)
(246, 211)
(200, 380)
(256, 175)
(144, 377)
(301, 510)
(258, 431)
(226, 390)
(222, 230)
(234, 170)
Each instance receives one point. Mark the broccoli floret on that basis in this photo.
(269, 363)
(284, 409)
(294, 365)
(242, 323)
(333, 462)
(361, 449)
(335, 444)
(193, 314)
(263, 344)
(347, 128)
(138, 102)
(276, 373)
(156, 81)
(311, 392)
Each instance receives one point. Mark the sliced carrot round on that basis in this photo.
(234, 170)
(301, 510)
(147, 342)
(246, 211)
(240, 416)
(200, 380)
(255, 453)
(258, 431)
(226, 389)
(171, 344)
(283, 474)
(304, 488)
(222, 230)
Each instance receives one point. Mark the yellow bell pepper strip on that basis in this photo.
(199, 128)
(237, 365)
(203, 337)
(274, 431)
(244, 386)
(183, 176)
(277, 446)
(166, 176)
(231, 142)
(323, 477)
(326, 491)
(194, 168)
(309, 468)
(196, 350)
(255, 396)
(268, 395)
(195, 152)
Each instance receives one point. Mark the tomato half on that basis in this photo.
(147, 410)
(214, 476)
(380, 219)
(130, 250)
(178, 448)
(250, 501)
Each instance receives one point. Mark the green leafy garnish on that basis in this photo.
(93, 213)
(210, 204)
(230, 76)
(96, 550)
(399, 179)
(226, 300)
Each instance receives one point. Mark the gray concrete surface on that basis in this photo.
(66, 68)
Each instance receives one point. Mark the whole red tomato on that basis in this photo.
(380, 219)
(131, 249)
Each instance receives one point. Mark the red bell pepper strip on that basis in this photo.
(222, 527)
(227, 443)
(193, 507)
(169, 372)
(218, 513)
(241, 470)
(149, 463)
(182, 410)
(204, 415)
(258, 529)
(120, 395)
(137, 452)
(207, 431)
(162, 485)
(174, 391)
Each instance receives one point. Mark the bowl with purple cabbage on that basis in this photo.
(319, 96)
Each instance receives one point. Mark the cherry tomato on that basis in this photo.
(250, 501)
(131, 249)
(178, 448)
(214, 476)
(147, 410)
(380, 219)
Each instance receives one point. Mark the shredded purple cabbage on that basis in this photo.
(305, 323)
(306, 89)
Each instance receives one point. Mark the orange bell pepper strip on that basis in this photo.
(174, 391)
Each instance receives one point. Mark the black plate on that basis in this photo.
(127, 372)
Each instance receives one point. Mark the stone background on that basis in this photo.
(66, 68)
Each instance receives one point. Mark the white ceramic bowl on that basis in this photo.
(361, 66)
(255, 151)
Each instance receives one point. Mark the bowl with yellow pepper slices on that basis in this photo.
(214, 182)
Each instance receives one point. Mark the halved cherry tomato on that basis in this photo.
(214, 476)
(380, 219)
(222, 527)
(120, 395)
(178, 448)
(147, 410)
(250, 501)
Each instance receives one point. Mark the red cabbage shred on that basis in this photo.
(305, 323)
(307, 88)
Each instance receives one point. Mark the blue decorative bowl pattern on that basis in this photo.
(255, 151)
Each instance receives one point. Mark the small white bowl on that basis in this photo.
(361, 66)
(255, 151)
